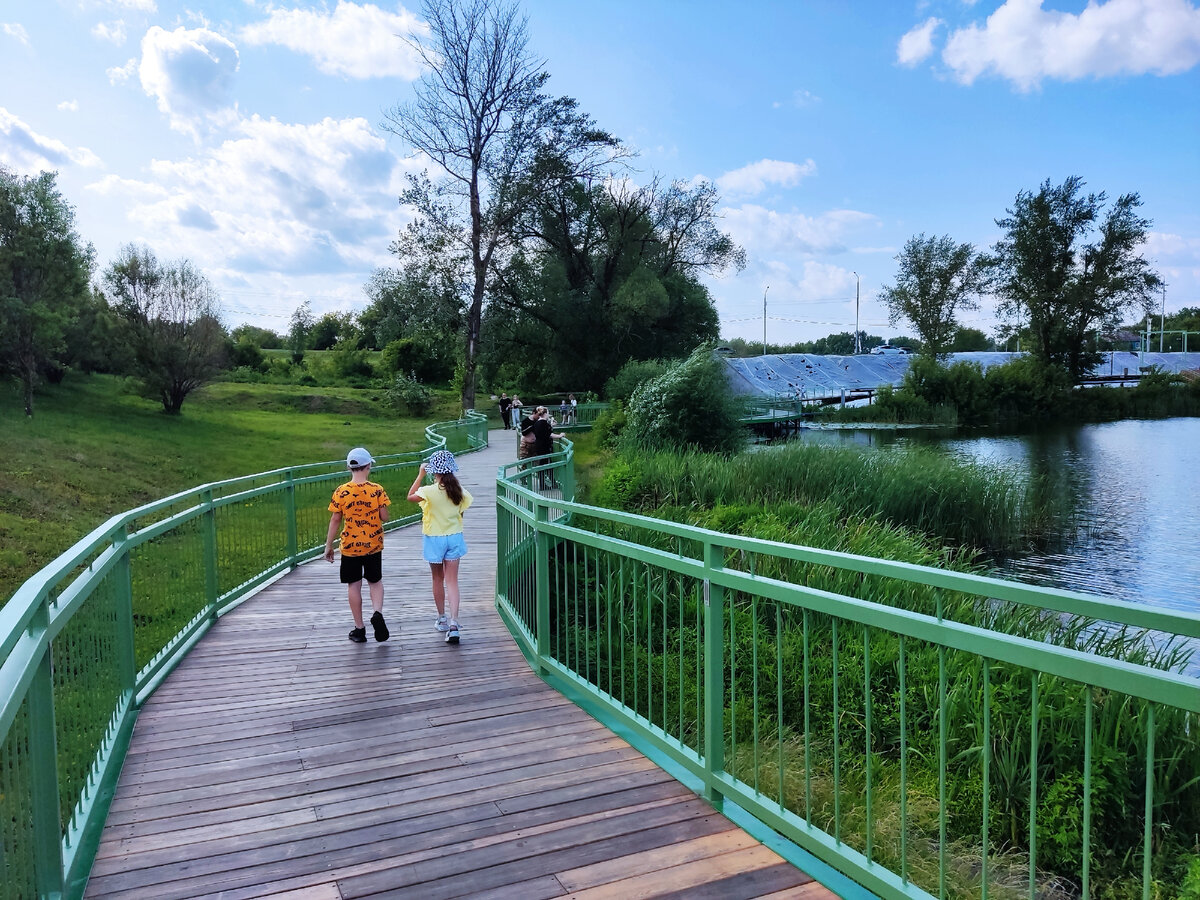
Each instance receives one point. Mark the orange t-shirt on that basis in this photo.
(362, 531)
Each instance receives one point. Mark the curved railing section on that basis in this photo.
(88, 638)
(818, 711)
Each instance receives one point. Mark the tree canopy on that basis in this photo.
(173, 320)
(937, 277)
(1066, 266)
(44, 272)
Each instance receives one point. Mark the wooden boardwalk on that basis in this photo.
(281, 760)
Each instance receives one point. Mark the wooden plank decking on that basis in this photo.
(281, 760)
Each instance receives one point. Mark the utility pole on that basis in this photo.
(857, 342)
(767, 288)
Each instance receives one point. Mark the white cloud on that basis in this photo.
(121, 74)
(28, 152)
(1024, 43)
(754, 178)
(279, 198)
(767, 233)
(15, 30)
(1172, 247)
(188, 71)
(114, 32)
(917, 44)
(800, 99)
(354, 41)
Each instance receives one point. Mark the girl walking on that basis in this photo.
(442, 506)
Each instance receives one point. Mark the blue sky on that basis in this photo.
(246, 136)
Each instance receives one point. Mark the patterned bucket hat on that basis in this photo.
(442, 462)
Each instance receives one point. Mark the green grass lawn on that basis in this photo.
(94, 448)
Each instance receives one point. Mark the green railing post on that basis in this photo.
(123, 573)
(211, 584)
(43, 754)
(293, 540)
(714, 676)
(541, 562)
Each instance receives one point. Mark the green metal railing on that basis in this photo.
(85, 641)
(843, 723)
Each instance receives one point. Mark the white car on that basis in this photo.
(888, 350)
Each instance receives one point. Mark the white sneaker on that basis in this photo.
(452, 633)
(442, 623)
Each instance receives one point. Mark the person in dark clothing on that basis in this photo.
(505, 406)
(543, 444)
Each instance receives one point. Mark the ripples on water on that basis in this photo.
(1134, 488)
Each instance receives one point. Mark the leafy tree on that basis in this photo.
(937, 277)
(96, 340)
(1065, 267)
(479, 114)
(326, 331)
(44, 271)
(609, 272)
(419, 301)
(263, 338)
(690, 406)
(172, 316)
(298, 331)
(968, 340)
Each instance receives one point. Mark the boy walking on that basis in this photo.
(361, 506)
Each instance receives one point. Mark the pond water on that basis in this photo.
(1134, 487)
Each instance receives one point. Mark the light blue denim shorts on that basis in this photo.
(438, 548)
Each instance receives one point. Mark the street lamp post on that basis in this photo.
(1162, 321)
(767, 288)
(857, 341)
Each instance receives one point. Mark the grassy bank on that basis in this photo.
(95, 448)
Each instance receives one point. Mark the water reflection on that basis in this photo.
(1133, 487)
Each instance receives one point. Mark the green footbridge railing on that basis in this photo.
(85, 641)
(826, 716)
(850, 726)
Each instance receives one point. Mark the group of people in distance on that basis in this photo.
(510, 410)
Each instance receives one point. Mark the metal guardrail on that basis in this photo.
(87, 639)
(817, 711)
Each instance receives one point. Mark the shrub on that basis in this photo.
(691, 405)
(248, 355)
(1026, 388)
(347, 361)
(407, 393)
(622, 385)
(609, 424)
(418, 357)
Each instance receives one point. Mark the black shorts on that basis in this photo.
(356, 568)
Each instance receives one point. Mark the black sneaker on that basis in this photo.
(358, 635)
(381, 631)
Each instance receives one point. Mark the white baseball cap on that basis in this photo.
(358, 457)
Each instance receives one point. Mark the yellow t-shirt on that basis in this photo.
(362, 531)
(438, 515)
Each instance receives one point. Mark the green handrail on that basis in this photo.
(705, 648)
(87, 639)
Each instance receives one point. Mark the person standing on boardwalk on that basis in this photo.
(515, 411)
(543, 444)
(359, 508)
(505, 406)
(442, 506)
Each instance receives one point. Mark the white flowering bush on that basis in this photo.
(689, 407)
